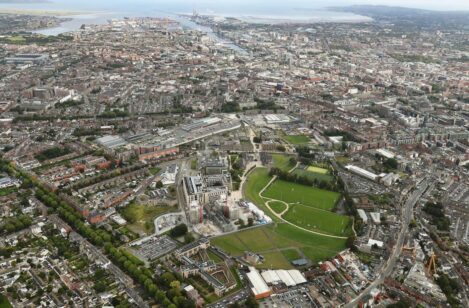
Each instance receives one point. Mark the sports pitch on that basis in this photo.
(306, 195)
(278, 242)
(318, 220)
(313, 175)
(297, 139)
(318, 170)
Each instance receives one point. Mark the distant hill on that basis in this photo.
(409, 16)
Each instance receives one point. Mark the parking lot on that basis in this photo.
(297, 298)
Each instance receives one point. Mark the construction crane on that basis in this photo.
(431, 265)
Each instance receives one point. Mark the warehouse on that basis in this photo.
(362, 172)
(290, 278)
(258, 286)
(111, 142)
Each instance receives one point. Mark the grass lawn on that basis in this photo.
(306, 195)
(17, 39)
(313, 175)
(4, 302)
(315, 247)
(277, 207)
(141, 216)
(154, 170)
(297, 139)
(282, 162)
(257, 180)
(275, 259)
(282, 242)
(214, 257)
(318, 220)
(291, 254)
(318, 170)
(343, 160)
(268, 240)
(194, 164)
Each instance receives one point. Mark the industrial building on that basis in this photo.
(259, 287)
(362, 215)
(111, 142)
(26, 58)
(261, 283)
(290, 278)
(362, 172)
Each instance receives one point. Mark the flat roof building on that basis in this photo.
(111, 142)
(259, 288)
(26, 58)
(362, 172)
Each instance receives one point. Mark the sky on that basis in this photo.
(244, 5)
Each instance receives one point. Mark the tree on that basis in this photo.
(179, 230)
(176, 284)
(251, 302)
(159, 184)
(350, 243)
(188, 238)
(281, 148)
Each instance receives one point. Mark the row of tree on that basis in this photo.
(101, 238)
(303, 180)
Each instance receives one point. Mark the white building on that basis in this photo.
(362, 172)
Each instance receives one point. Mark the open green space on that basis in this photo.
(281, 243)
(318, 220)
(255, 182)
(313, 175)
(277, 207)
(282, 162)
(306, 195)
(291, 254)
(318, 170)
(194, 164)
(141, 216)
(214, 257)
(4, 302)
(154, 170)
(283, 237)
(297, 139)
(275, 259)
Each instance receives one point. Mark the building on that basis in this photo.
(24, 58)
(196, 212)
(300, 262)
(111, 142)
(169, 175)
(206, 189)
(213, 165)
(8, 182)
(362, 215)
(289, 278)
(155, 152)
(202, 266)
(259, 288)
(362, 172)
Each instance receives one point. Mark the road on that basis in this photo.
(387, 269)
(126, 281)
